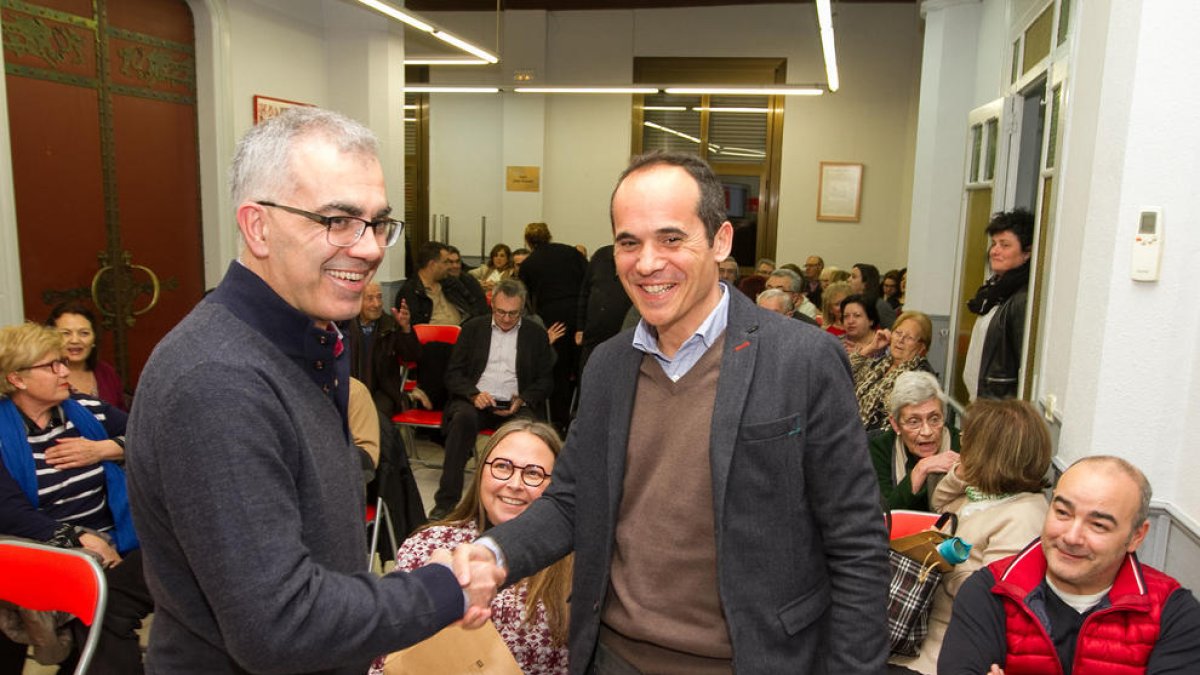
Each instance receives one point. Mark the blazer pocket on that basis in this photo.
(801, 612)
(772, 430)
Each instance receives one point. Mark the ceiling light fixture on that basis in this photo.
(780, 90)
(465, 46)
(671, 131)
(398, 14)
(420, 24)
(448, 89)
(443, 61)
(825, 22)
(586, 90)
(665, 108)
(761, 111)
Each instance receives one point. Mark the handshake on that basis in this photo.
(480, 577)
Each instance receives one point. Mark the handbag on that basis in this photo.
(455, 651)
(917, 568)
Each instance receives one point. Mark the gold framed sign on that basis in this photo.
(266, 107)
(523, 178)
(839, 193)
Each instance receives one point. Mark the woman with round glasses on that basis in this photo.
(996, 490)
(89, 375)
(877, 364)
(532, 614)
(918, 448)
(60, 482)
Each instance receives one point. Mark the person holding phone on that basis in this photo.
(501, 368)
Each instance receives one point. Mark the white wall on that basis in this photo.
(587, 138)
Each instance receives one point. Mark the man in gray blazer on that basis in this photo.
(715, 486)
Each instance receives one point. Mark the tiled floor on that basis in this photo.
(427, 471)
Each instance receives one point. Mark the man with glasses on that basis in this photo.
(813, 266)
(245, 491)
(501, 368)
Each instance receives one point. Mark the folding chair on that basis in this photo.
(46, 578)
(407, 421)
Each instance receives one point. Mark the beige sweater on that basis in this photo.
(995, 530)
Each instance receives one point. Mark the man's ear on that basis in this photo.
(251, 220)
(723, 241)
(1139, 535)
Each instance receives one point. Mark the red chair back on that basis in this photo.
(46, 578)
(906, 522)
(436, 332)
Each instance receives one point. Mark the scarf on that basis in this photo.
(999, 288)
(18, 460)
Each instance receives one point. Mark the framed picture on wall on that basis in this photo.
(266, 107)
(839, 192)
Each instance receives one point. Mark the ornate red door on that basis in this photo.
(102, 115)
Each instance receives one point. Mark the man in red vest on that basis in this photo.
(1077, 600)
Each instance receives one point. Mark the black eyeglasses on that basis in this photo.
(345, 231)
(531, 474)
(57, 365)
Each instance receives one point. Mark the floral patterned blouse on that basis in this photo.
(530, 642)
(873, 381)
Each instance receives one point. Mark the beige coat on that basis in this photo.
(999, 529)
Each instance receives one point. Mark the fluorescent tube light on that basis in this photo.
(665, 108)
(748, 91)
(448, 89)
(443, 61)
(398, 14)
(586, 90)
(761, 111)
(671, 131)
(465, 46)
(825, 22)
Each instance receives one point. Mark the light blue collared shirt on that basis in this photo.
(645, 339)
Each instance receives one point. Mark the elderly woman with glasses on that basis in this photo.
(877, 364)
(919, 448)
(60, 482)
(531, 615)
(996, 490)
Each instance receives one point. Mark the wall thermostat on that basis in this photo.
(1147, 245)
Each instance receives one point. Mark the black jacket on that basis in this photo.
(1000, 362)
(603, 302)
(553, 274)
(420, 305)
(379, 367)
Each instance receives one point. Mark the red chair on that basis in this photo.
(46, 578)
(906, 522)
(409, 420)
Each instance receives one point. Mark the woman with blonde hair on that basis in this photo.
(996, 490)
(515, 469)
(875, 368)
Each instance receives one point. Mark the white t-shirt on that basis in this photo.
(975, 352)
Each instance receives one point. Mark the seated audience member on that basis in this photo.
(890, 288)
(860, 319)
(61, 482)
(791, 283)
(89, 375)
(518, 257)
(919, 448)
(728, 271)
(1077, 600)
(776, 300)
(378, 342)
(996, 490)
(499, 266)
(814, 265)
(499, 368)
(455, 268)
(553, 274)
(764, 267)
(432, 295)
(833, 275)
(831, 308)
(531, 615)
(875, 375)
(864, 280)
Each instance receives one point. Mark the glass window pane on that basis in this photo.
(1064, 20)
(993, 128)
(738, 129)
(671, 123)
(976, 151)
(1037, 40)
(1016, 62)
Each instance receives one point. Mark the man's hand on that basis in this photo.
(108, 555)
(477, 573)
(402, 316)
(555, 331)
(483, 401)
(75, 453)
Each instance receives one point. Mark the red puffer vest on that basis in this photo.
(1116, 640)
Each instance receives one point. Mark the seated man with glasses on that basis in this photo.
(501, 368)
(919, 448)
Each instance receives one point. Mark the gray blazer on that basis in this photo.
(802, 562)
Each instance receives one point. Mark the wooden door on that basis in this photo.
(102, 114)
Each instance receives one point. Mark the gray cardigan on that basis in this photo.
(249, 503)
